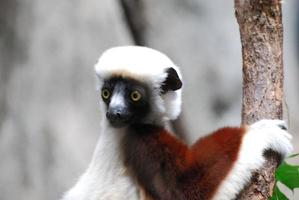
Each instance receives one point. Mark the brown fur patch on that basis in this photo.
(168, 169)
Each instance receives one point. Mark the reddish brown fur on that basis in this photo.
(168, 169)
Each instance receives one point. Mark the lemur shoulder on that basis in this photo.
(141, 90)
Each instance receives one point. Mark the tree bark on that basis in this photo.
(261, 30)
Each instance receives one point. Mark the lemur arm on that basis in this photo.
(218, 165)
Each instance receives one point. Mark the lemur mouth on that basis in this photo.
(118, 124)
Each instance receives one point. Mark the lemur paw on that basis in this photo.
(272, 134)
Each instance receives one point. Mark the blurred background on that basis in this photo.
(49, 114)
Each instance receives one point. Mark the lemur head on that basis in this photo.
(138, 85)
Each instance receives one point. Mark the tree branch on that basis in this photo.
(135, 19)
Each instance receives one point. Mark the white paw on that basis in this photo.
(271, 134)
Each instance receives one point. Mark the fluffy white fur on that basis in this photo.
(265, 134)
(146, 65)
(106, 177)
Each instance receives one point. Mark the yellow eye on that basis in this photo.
(105, 93)
(135, 96)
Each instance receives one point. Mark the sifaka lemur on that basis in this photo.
(141, 90)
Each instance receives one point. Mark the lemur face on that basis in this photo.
(127, 101)
(138, 85)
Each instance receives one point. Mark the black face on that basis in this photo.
(127, 101)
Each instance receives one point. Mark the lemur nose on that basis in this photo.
(117, 114)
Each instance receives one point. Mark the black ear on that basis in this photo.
(172, 81)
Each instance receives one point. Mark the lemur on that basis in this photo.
(140, 91)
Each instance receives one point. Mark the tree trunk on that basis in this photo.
(261, 31)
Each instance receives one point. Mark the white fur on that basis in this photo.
(146, 65)
(106, 177)
(265, 134)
